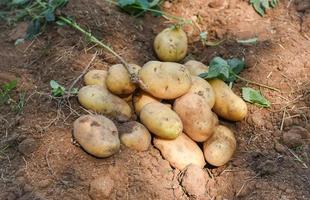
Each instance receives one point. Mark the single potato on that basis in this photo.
(196, 67)
(97, 135)
(141, 98)
(170, 45)
(161, 120)
(196, 115)
(203, 89)
(227, 104)
(219, 149)
(180, 152)
(99, 99)
(135, 136)
(165, 80)
(96, 77)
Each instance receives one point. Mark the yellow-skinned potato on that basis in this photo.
(203, 89)
(196, 115)
(196, 67)
(99, 99)
(170, 45)
(219, 149)
(227, 104)
(141, 98)
(135, 136)
(180, 152)
(96, 77)
(165, 80)
(161, 120)
(97, 135)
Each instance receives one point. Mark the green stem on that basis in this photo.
(255, 83)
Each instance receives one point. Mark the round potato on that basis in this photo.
(170, 45)
(196, 67)
(180, 152)
(165, 80)
(227, 104)
(203, 89)
(97, 135)
(161, 120)
(196, 115)
(99, 99)
(219, 149)
(141, 98)
(96, 77)
(135, 136)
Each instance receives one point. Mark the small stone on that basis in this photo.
(27, 146)
(279, 147)
(194, 181)
(101, 188)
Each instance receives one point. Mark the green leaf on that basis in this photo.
(57, 89)
(236, 65)
(250, 41)
(254, 96)
(9, 86)
(33, 29)
(138, 7)
(54, 84)
(49, 14)
(74, 91)
(218, 67)
(261, 6)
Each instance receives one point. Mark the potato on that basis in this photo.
(141, 98)
(118, 79)
(227, 105)
(96, 77)
(196, 67)
(161, 120)
(203, 89)
(97, 135)
(99, 99)
(219, 149)
(196, 115)
(170, 45)
(180, 152)
(165, 80)
(135, 136)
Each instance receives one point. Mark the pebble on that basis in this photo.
(27, 146)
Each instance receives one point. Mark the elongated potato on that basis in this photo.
(161, 120)
(99, 99)
(96, 77)
(227, 105)
(97, 135)
(165, 80)
(203, 89)
(141, 98)
(219, 149)
(196, 67)
(180, 152)
(196, 115)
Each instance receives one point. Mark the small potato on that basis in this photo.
(141, 98)
(227, 105)
(135, 136)
(165, 80)
(99, 99)
(203, 89)
(196, 67)
(97, 135)
(219, 149)
(170, 45)
(180, 152)
(161, 120)
(96, 77)
(196, 115)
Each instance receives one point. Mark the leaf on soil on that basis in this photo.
(250, 41)
(261, 6)
(254, 96)
(137, 7)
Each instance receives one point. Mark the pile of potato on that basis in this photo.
(172, 103)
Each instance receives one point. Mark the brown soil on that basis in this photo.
(39, 159)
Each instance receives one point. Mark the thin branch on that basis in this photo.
(259, 84)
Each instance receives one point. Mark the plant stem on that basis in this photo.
(255, 83)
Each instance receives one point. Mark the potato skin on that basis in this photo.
(97, 135)
(219, 149)
(196, 115)
(195, 67)
(227, 104)
(170, 45)
(180, 152)
(203, 89)
(99, 99)
(165, 80)
(96, 77)
(141, 98)
(135, 136)
(161, 120)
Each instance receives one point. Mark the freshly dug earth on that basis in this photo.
(39, 159)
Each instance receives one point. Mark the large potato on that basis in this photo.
(198, 120)
(97, 135)
(203, 89)
(170, 45)
(99, 99)
(196, 67)
(96, 77)
(161, 120)
(135, 136)
(141, 98)
(165, 80)
(180, 152)
(220, 147)
(227, 105)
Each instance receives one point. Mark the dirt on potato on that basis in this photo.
(40, 160)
